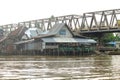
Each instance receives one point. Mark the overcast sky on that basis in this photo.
(13, 11)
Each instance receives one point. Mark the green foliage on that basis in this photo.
(117, 38)
(108, 37)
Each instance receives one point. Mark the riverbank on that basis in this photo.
(114, 53)
(108, 52)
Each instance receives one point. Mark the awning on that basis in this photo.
(67, 40)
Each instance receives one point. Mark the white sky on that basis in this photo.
(13, 11)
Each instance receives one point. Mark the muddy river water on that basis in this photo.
(60, 68)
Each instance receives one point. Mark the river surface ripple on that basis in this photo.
(60, 68)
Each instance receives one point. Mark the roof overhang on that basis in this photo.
(22, 42)
(60, 40)
(67, 40)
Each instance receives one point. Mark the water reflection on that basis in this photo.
(59, 68)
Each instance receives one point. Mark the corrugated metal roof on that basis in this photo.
(33, 32)
(61, 40)
(26, 41)
(56, 28)
(68, 40)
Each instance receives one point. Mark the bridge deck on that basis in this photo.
(102, 30)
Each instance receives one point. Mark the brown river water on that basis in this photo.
(60, 68)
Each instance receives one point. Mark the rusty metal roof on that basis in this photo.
(4, 38)
(18, 31)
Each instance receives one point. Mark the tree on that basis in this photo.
(117, 38)
(108, 37)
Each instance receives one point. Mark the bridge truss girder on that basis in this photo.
(88, 22)
(47, 23)
(101, 20)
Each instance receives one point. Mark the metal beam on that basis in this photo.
(75, 22)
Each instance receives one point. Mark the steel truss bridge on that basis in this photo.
(91, 22)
